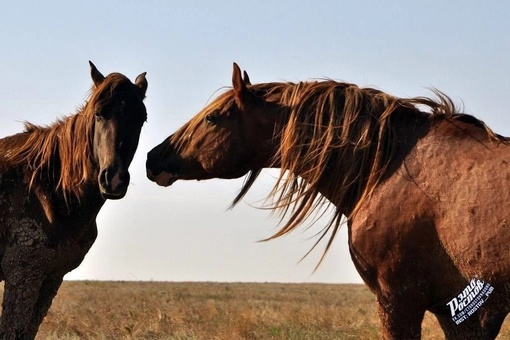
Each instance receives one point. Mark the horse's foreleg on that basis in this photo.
(18, 302)
(491, 324)
(47, 292)
(24, 269)
(469, 329)
(400, 319)
(20, 295)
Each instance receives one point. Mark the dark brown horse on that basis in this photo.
(53, 182)
(424, 189)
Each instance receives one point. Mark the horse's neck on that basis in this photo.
(59, 207)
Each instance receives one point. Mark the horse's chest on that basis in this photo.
(57, 241)
(70, 244)
(68, 256)
(57, 248)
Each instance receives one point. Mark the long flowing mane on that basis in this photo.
(342, 130)
(63, 151)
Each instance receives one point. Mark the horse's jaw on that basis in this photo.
(167, 178)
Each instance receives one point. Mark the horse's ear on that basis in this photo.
(141, 82)
(97, 77)
(246, 78)
(240, 90)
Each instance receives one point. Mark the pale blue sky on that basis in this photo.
(185, 232)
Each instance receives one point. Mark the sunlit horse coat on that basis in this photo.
(425, 193)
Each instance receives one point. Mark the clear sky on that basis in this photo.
(186, 232)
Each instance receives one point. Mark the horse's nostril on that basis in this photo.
(150, 165)
(105, 178)
(150, 174)
(124, 177)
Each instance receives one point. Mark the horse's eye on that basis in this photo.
(210, 118)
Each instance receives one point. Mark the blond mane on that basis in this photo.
(337, 135)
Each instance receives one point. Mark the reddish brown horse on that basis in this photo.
(425, 193)
(53, 182)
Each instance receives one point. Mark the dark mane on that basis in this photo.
(335, 126)
(63, 151)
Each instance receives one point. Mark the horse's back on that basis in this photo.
(468, 185)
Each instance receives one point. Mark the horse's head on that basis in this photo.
(227, 139)
(119, 112)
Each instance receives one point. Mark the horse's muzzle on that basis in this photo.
(113, 182)
(163, 171)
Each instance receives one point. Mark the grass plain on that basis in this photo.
(206, 310)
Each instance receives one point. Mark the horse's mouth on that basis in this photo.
(163, 179)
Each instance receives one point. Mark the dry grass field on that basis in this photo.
(158, 310)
